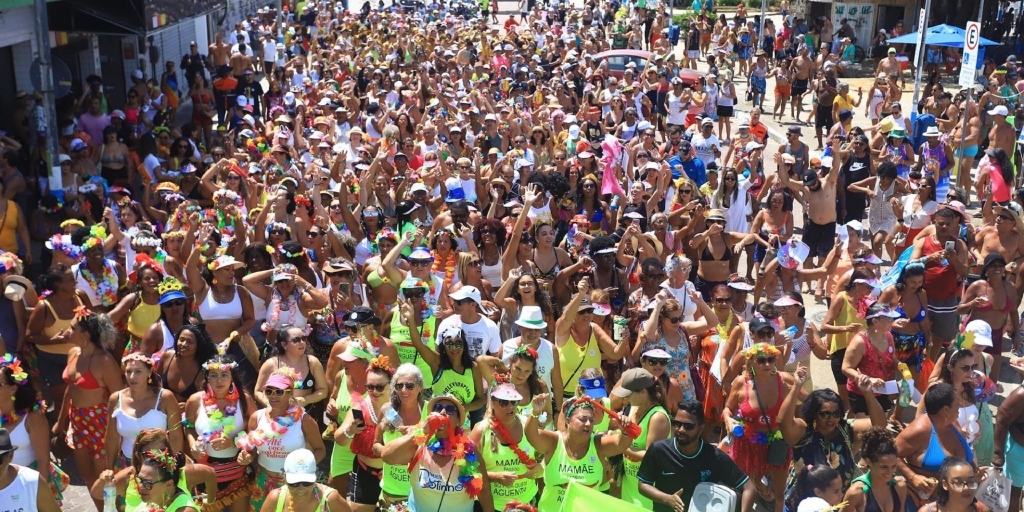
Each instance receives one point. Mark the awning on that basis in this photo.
(14, 4)
(108, 17)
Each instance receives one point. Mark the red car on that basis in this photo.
(617, 60)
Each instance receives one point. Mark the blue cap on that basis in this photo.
(171, 295)
(594, 388)
(454, 195)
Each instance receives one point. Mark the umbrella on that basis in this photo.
(940, 35)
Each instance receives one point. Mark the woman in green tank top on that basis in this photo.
(455, 372)
(403, 413)
(413, 347)
(592, 384)
(511, 463)
(158, 483)
(574, 455)
(350, 381)
(646, 408)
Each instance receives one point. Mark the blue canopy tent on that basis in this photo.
(940, 35)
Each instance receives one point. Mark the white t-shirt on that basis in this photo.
(269, 51)
(704, 147)
(483, 336)
(151, 162)
(676, 109)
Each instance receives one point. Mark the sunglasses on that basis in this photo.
(589, 185)
(301, 484)
(766, 360)
(376, 388)
(335, 206)
(1004, 217)
(673, 319)
(966, 368)
(723, 300)
(274, 391)
(685, 425)
(405, 385)
(313, 234)
(174, 303)
(477, 263)
(453, 344)
(277, 231)
(686, 191)
(829, 414)
(504, 403)
(450, 410)
(653, 361)
(420, 263)
(730, 178)
(418, 294)
(486, 231)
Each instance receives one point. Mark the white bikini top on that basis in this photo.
(210, 309)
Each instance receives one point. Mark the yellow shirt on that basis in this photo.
(841, 103)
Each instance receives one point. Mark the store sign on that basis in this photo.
(861, 17)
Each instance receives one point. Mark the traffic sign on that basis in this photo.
(969, 67)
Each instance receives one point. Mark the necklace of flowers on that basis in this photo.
(448, 263)
(12, 417)
(252, 440)
(457, 445)
(724, 328)
(291, 303)
(222, 421)
(105, 284)
(506, 437)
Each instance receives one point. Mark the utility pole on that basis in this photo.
(919, 56)
(49, 104)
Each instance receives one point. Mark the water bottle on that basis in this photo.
(615, 204)
(109, 498)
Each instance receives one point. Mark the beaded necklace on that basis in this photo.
(279, 425)
(448, 264)
(221, 421)
(105, 284)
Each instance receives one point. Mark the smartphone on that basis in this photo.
(951, 245)
(344, 287)
(358, 415)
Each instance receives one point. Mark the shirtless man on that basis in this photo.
(1002, 135)
(820, 205)
(1002, 237)
(890, 65)
(969, 149)
(220, 52)
(240, 62)
(802, 68)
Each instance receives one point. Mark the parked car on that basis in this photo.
(618, 59)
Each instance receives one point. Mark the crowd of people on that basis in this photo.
(400, 260)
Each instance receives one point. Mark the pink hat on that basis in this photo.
(506, 391)
(279, 381)
(956, 206)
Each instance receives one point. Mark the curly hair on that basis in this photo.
(205, 348)
(911, 270)
(819, 397)
(541, 296)
(492, 224)
(876, 443)
(599, 243)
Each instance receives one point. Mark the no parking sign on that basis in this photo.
(969, 68)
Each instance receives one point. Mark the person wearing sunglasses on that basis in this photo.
(665, 329)
(301, 490)
(290, 352)
(754, 400)
(645, 400)
(439, 467)
(501, 436)
(672, 468)
(275, 431)
(157, 481)
(455, 371)
(871, 354)
(359, 431)
(404, 409)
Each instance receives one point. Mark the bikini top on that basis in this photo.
(917, 318)
(85, 379)
(707, 255)
(934, 456)
(308, 383)
(188, 391)
(1007, 307)
(871, 505)
(552, 272)
(210, 309)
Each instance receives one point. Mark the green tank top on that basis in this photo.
(630, 483)
(184, 500)
(460, 385)
(132, 498)
(504, 459)
(395, 477)
(407, 353)
(561, 470)
(342, 456)
(601, 427)
(284, 494)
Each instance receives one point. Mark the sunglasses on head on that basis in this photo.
(685, 425)
(450, 410)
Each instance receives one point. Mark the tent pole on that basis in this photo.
(920, 57)
(963, 138)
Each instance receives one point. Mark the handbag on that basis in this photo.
(778, 449)
(994, 492)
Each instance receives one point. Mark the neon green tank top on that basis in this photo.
(342, 456)
(451, 382)
(630, 483)
(284, 495)
(184, 500)
(395, 477)
(504, 459)
(561, 470)
(573, 359)
(403, 343)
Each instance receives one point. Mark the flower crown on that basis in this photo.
(71, 222)
(140, 357)
(382, 363)
(303, 201)
(124, 202)
(576, 404)
(18, 374)
(82, 313)
(168, 186)
(224, 193)
(523, 350)
(144, 260)
(287, 254)
(761, 350)
(163, 458)
(169, 284)
(147, 241)
(173, 235)
(92, 242)
(58, 243)
(212, 367)
(502, 378)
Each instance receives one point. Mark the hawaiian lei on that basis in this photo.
(457, 445)
(506, 437)
(222, 422)
(105, 284)
(12, 417)
(448, 264)
(252, 440)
